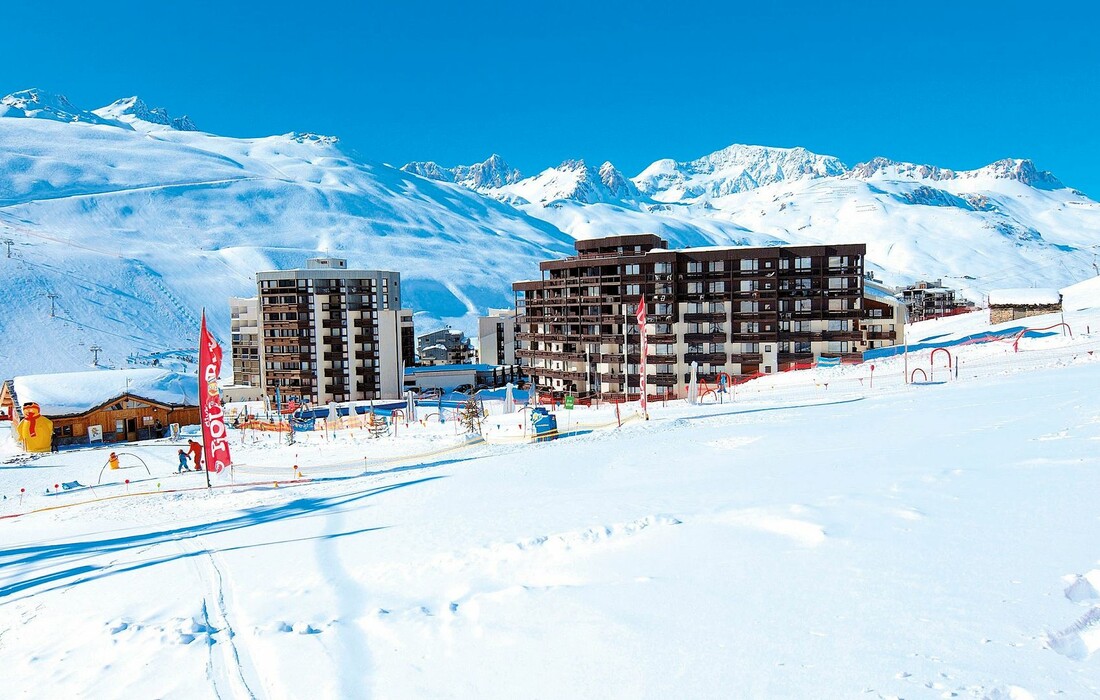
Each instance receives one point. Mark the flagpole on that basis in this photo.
(202, 433)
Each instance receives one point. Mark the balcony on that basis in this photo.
(881, 335)
(747, 358)
(705, 337)
(707, 317)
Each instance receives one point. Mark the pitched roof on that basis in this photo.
(1024, 297)
(72, 393)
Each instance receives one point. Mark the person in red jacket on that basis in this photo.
(196, 454)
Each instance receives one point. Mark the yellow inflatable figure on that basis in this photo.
(35, 430)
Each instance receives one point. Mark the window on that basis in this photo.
(750, 327)
(837, 261)
(716, 266)
(717, 307)
(749, 285)
(802, 347)
(633, 289)
(784, 263)
(802, 263)
(662, 287)
(838, 304)
(632, 269)
(695, 348)
(694, 267)
(694, 287)
(803, 305)
(750, 347)
(695, 307)
(661, 309)
(750, 265)
(837, 346)
(838, 324)
(716, 287)
(801, 326)
(750, 307)
(662, 268)
(784, 346)
(838, 283)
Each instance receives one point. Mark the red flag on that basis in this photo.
(644, 351)
(214, 439)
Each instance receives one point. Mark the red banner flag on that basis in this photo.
(644, 342)
(214, 439)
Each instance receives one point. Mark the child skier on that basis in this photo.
(183, 463)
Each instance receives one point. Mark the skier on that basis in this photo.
(112, 460)
(196, 453)
(183, 463)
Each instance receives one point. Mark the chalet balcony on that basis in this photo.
(881, 335)
(718, 358)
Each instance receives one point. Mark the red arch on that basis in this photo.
(932, 358)
(1016, 342)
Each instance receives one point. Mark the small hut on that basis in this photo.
(108, 405)
(1012, 304)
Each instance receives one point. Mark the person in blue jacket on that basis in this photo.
(183, 463)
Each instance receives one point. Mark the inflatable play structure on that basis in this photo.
(35, 430)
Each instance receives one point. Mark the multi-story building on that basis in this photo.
(446, 346)
(884, 317)
(333, 334)
(927, 300)
(496, 337)
(244, 322)
(733, 311)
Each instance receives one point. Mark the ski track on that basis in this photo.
(353, 651)
(225, 668)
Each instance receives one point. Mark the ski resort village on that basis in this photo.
(280, 422)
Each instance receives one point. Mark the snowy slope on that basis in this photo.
(136, 227)
(703, 554)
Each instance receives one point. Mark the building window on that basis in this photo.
(694, 287)
(802, 347)
(838, 283)
(837, 346)
(838, 324)
(803, 305)
(750, 327)
(838, 304)
(716, 266)
(750, 285)
(632, 269)
(662, 268)
(750, 265)
(694, 267)
(633, 289)
(802, 263)
(717, 287)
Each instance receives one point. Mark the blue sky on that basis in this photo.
(953, 84)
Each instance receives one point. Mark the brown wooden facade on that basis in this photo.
(126, 418)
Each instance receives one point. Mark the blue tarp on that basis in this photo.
(983, 337)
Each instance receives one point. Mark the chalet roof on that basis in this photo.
(74, 393)
(1025, 297)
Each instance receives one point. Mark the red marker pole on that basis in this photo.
(127, 486)
(872, 376)
(21, 492)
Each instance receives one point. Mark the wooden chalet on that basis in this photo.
(79, 402)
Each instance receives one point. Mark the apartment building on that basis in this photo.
(926, 300)
(732, 311)
(447, 346)
(884, 317)
(333, 334)
(244, 322)
(496, 337)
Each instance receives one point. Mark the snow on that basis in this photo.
(811, 536)
(69, 393)
(1024, 297)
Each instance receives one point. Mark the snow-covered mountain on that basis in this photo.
(133, 109)
(733, 169)
(488, 175)
(127, 232)
(1007, 223)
